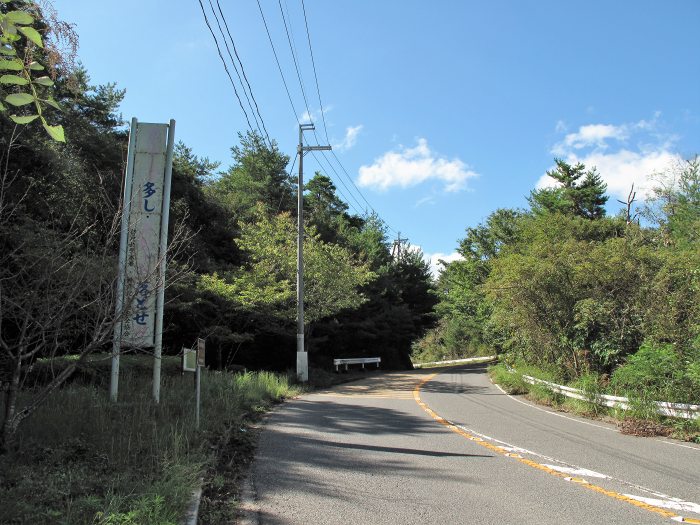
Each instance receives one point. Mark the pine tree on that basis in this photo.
(578, 193)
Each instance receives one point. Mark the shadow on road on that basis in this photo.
(442, 387)
(351, 418)
(396, 450)
(308, 442)
(460, 386)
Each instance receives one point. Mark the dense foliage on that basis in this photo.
(232, 276)
(563, 287)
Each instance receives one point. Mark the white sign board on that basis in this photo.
(142, 277)
(189, 360)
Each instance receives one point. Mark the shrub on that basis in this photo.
(660, 372)
(593, 385)
(509, 381)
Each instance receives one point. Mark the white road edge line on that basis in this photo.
(554, 413)
(673, 504)
(661, 500)
(509, 447)
(696, 449)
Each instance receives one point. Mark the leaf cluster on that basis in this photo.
(22, 72)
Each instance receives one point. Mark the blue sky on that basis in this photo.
(441, 112)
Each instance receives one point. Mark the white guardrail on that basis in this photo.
(456, 361)
(356, 361)
(664, 408)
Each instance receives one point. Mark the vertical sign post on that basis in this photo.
(119, 302)
(198, 379)
(160, 299)
(143, 246)
(193, 361)
(197, 393)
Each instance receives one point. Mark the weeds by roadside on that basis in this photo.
(84, 460)
(508, 381)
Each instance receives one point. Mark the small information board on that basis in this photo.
(189, 360)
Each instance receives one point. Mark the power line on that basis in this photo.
(313, 63)
(257, 109)
(296, 65)
(292, 48)
(342, 194)
(358, 189)
(291, 29)
(233, 62)
(296, 115)
(318, 91)
(279, 67)
(339, 178)
(223, 61)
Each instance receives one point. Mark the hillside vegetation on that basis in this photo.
(568, 289)
(232, 259)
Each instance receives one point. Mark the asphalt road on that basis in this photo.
(446, 446)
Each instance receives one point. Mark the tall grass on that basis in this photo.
(83, 460)
(509, 381)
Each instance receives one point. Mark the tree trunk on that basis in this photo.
(13, 418)
(9, 426)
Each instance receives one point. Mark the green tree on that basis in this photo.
(675, 204)
(332, 274)
(321, 197)
(369, 241)
(570, 293)
(258, 174)
(577, 192)
(463, 308)
(414, 282)
(398, 311)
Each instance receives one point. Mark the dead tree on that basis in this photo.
(630, 200)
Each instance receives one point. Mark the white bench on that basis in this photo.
(356, 361)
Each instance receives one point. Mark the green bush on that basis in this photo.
(658, 372)
(511, 382)
(592, 385)
(544, 395)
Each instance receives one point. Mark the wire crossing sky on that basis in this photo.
(438, 114)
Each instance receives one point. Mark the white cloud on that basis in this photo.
(594, 135)
(412, 166)
(545, 181)
(315, 115)
(434, 259)
(620, 164)
(428, 199)
(351, 133)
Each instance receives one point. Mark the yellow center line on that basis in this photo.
(500, 450)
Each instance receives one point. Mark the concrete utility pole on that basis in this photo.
(302, 357)
(396, 249)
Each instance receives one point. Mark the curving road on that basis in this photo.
(446, 446)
